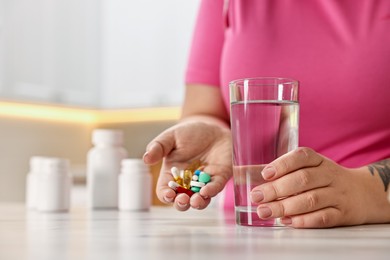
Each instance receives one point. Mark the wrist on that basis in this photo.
(375, 197)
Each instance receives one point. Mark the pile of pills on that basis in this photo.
(190, 180)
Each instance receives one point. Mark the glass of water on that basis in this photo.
(264, 117)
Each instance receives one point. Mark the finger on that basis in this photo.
(325, 218)
(219, 177)
(299, 181)
(197, 202)
(160, 147)
(299, 158)
(211, 189)
(182, 202)
(165, 193)
(154, 153)
(296, 205)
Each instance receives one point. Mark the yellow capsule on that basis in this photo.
(176, 175)
(179, 181)
(187, 179)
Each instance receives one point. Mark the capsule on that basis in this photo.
(173, 185)
(197, 184)
(184, 190)
(180, 189)
(187, 177)
(195, 189)
(176, 175)
(204, 177)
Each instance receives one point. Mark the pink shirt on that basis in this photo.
(339, 50)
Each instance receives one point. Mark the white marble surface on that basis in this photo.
(164, 233)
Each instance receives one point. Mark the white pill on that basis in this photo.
(197, 184)
(175, 172)
(195, 177)
(173, 185)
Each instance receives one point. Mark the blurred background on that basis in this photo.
(68, 67)
(102, 53)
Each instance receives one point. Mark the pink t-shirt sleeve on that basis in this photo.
(205, 53)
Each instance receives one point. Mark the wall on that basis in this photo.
(99, 53)
(49, 50)
(145, 45)
(22, 138)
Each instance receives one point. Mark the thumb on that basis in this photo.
(159, 147)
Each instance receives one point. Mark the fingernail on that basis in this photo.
(168, 199)
(268, 172)
(286, 221)
(196, 207)
(257, 196)
(146, 157)
(264, 212)
(182, 205)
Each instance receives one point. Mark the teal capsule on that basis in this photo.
(195, 189)
(204, 177)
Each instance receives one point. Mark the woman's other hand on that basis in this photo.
(307, 190)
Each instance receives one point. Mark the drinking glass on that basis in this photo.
(264, 123)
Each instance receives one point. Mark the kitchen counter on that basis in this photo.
(164, 233)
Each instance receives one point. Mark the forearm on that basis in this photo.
(208, 119)
(204, 103)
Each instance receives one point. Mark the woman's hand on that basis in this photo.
(307, 190)
(182, 144)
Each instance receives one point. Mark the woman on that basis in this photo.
(339, 50)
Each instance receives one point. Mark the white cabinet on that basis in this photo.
(102, 53)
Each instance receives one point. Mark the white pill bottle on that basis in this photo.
(135, 186)
(54, 184)
(103, 168)
(32, 181)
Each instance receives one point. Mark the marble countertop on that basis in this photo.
(164, 233)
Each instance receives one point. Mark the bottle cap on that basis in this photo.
(107, 136)
(133, 165)
(49, 164)
(36, 162)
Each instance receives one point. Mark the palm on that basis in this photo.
(184, 143)
(208, 143)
